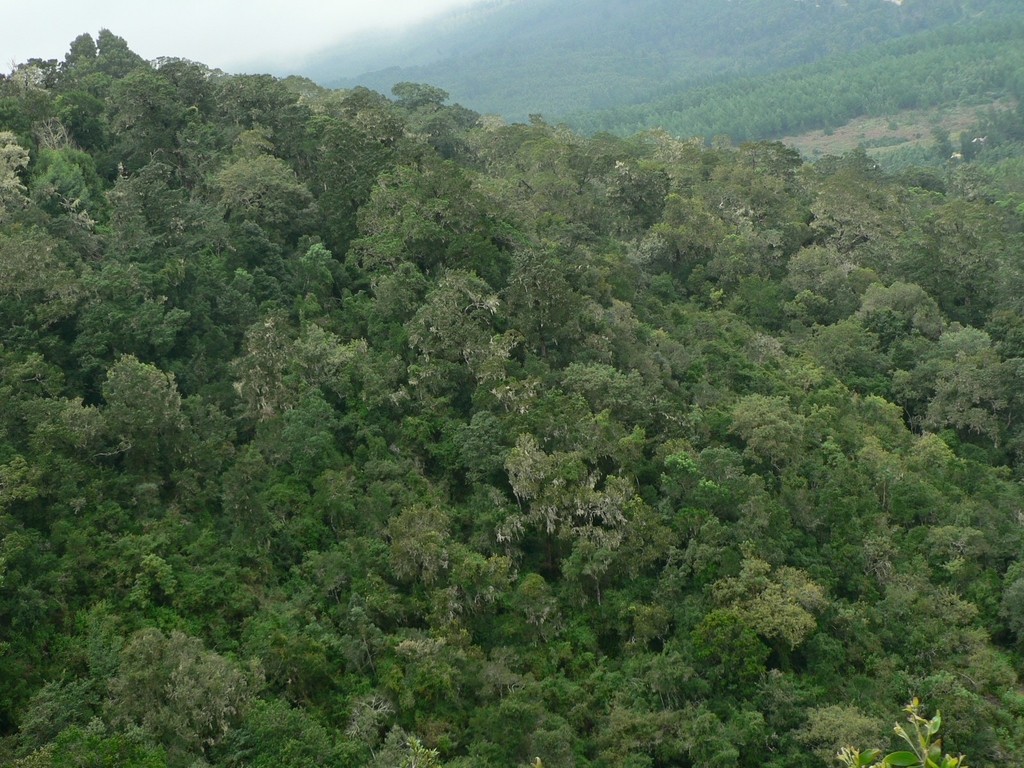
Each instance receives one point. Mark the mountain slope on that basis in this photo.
(963, 64)
(351, 433)
(562, 56)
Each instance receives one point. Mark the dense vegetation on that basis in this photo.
(557, 57)
(341, 431)
(949, 66)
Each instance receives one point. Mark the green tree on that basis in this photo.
(81, 54)
(114, 58)
(454, 320)
(65, 182)
(829, 729)
(143, 413)
(36, 278)
(972, 388)
(263, 189)
(433, 217)
(779, 604)
(771, 429)
(13, 160)
(420, 544)
(415, 95)
(94, 745)
(542, 303)
(184, 697)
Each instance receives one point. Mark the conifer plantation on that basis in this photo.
(344, 430)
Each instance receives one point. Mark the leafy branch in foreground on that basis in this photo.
(925, 748)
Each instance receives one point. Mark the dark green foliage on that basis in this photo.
(336, 431)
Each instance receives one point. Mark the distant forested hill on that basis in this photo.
(970, 63)
(561, 56)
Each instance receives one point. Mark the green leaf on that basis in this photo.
(934, 724)
(867, 757)
(902, 758)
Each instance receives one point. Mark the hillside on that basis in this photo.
(961, 65)
(562, 56)
(339, 431)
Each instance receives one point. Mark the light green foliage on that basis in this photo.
(563, 497)
(831, 728)
(274, 735)
(33, 271)
(277, 368)
(1012, 602)
(825, 285)
(926, 749)
(778, 604)
(769, 427)
(454, 322)
(314, 274)
(55, 708)
(263, 189)
(851, 352)
(94, 746)
(65, 183)
(13, 159)
(185, 697)
(419, 756)
(420, 544)
(430, 216)
(972, 385)
(901, 308)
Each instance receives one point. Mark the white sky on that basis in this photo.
(218, 33)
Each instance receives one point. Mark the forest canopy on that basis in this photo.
(342, 430)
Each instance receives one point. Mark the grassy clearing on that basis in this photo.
(881, 135)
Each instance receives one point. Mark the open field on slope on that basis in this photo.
(881, 135)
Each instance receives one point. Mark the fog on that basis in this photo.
(218, 33)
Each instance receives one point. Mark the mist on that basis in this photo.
(267, 34)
